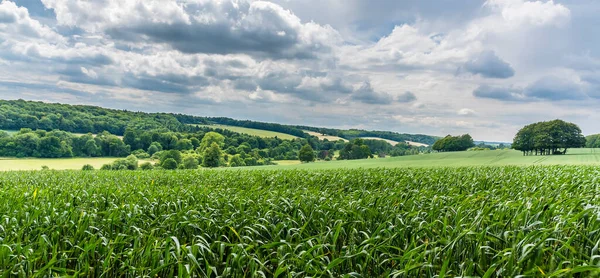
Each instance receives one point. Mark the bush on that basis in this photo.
(147, 166)
(190, 162)
(169, 164)
(87, 167)
(141, 154)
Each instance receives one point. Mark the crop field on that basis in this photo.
(253, 131)
(12, 164)
(456, 159)
(540, 221)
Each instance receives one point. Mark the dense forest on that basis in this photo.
(59, 130)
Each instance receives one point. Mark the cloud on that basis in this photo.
(366, 94)
(466, 112)
(498, 93)
(555, 88)
(259, 28)
(487, 64)
(406, 97)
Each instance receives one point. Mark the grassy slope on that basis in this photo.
(10, 164)
(457, 159)
(254, 132)
(323, 137)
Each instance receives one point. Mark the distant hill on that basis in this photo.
(17, 114)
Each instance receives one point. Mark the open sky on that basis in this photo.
(432, 66)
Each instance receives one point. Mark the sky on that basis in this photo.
(433, 67)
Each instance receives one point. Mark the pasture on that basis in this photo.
(539, 221)
(13, 164)
(252, 131)
(458, 159)
(323, 137)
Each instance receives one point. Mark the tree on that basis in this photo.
(212, 155)
(154, 148)
(184, 145)
(146, 166)
(87, 167)
(453, 143)
(306, 154)
(236, 161)
(210, 138)
(546, 138)
(190, 162)
(169, 164)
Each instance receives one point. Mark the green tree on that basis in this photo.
(236, 161)
(184, 145)
(154, 148)
(146, 166)
(210, 138)
(190, 162)
(212, 155)
(169, 164)
(87, 167)
(306, 154)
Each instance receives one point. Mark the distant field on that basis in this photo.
(11, 132)
(252, 131)
(457, 159)
(392, 142)
(323, 137)
(10, 164)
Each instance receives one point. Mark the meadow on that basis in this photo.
(455, 159)
(253, 131)
(536, 221)
(18, 164)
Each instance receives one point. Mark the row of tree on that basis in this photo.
(547, 138)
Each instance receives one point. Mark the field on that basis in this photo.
(254, 132)
(444, 222)
(8, 164)
(391, 142)
(458, 159)
(323, 137)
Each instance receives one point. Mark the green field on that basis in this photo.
(537, 221)
(11, 164)
(459, 159)
(252, 131)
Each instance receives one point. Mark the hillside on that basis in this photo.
(17, 114)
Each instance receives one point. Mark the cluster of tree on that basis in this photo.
(592, 141)
(546, 138)
(453, 143)
(17, 114)
(355, 149)
(54, 144)
(487, 147)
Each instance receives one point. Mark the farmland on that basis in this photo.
(457, 159)
(485, 221)
(11, 164)
(252, 131)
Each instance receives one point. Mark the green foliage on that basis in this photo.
(210, 138)
(87, 167)
(451, 222)
(453, 143)
(169, 164)
(129, 163)
(306, 154)
(547, 138)
(190, 162)
(355, 149)
(146, 166)
(592, 141)
(236, 161)
(212, 156)
(172, 154)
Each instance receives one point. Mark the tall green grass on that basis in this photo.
(486, 222)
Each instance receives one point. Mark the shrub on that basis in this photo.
(87, 167)
(169, 164)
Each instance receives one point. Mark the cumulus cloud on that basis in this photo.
(498, 93)
(487, 64)
(222, 27)
(555, 88)
(366, 94)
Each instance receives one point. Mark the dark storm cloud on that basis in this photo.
(488, 64)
